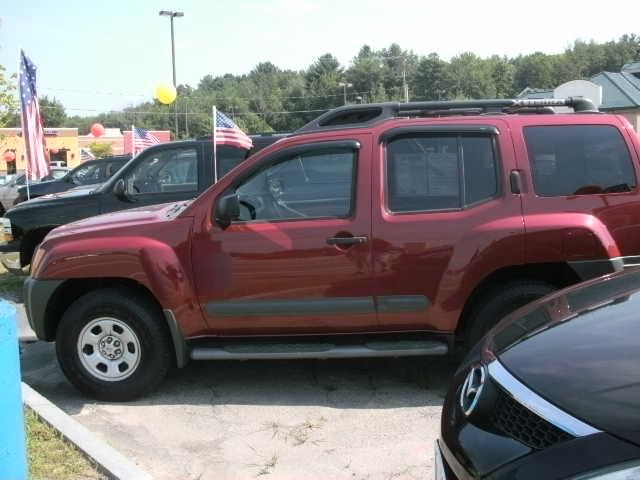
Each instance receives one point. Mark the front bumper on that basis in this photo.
(446, 467)
(37, 294)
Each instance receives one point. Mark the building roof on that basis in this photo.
(619, 90)
(536, 93)
(633, 67)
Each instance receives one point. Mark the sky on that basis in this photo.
(98, 55)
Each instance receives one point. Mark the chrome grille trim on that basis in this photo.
(534, 402)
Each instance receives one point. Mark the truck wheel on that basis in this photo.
(111, 345)
(499, 302)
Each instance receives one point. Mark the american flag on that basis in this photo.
(86, 155)
(143, 138)
(32, 130)
(228, 133)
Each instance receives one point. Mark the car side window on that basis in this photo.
(174, 170)
(431, 173)
(310, 185)
(87, 174)
(579, 160)
(228, 158)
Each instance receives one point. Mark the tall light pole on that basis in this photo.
(344, 86)
(172, 15)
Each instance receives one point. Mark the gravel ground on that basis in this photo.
(338, 419)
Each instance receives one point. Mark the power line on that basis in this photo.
(188, 96)
(135, 112)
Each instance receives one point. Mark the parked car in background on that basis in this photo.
(166, 172)
(552, 392)
(90, 172)
(9, 190)
(376, 230)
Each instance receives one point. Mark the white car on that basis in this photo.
(9, 189)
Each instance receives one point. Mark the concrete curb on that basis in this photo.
(112, 462)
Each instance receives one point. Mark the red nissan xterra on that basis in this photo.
(376, 230)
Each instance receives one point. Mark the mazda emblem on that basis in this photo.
(471, 389)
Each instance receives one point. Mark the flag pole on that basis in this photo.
(215, 159)
(26, 149)
(133, 142)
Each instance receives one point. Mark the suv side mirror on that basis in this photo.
(120, 191)
(227, 210)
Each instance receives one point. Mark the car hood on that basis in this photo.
(121, 219)
(74, 192)
(580, 349)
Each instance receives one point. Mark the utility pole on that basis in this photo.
(172, 15)
(405, 87)
(344, 86)
(186, 116)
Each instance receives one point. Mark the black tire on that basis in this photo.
(137, 313)
(500, 301)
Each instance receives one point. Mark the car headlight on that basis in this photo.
(7, 232)
(624, 471)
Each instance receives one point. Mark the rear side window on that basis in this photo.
(426, 173)
(228, 158)
(579, 160)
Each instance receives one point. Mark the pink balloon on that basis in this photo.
(97, 130)
(9, 156)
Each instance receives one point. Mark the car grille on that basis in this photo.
(518, 422)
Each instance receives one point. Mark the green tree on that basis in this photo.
(52, 112)
(101, 149)
(8, 102)
(535, 70)
(502, 72)
(471, 77)
(432, 80)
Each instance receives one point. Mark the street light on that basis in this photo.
(172, 15)
(345, 85)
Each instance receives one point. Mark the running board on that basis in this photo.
(280, 351)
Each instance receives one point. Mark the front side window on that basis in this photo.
(429, 173)
(310, 185)
(579, 160)
(166, 171)
(87, 174)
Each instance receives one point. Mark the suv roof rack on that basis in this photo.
(363, 115)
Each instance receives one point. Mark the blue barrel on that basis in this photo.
(13, 455)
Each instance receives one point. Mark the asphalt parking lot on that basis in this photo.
(342, 419)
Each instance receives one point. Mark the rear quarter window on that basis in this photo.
(579, 160)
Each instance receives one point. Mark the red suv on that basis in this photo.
(376, 230)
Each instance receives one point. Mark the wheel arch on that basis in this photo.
(558, 274)
(30, 241)
(72, 289)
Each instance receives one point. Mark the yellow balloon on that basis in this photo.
(166, 94)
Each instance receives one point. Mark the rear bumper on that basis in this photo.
(10, 247)
(37, 294)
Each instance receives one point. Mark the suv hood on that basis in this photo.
(580, 349)
(122, 219)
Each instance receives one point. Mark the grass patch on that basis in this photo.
(11, 286)
(53, 458)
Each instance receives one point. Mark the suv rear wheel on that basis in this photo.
(499, 302)
(111, 345)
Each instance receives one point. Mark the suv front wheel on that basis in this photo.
(499, 302)
(112, 346)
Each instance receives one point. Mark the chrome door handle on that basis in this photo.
(342, 241)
